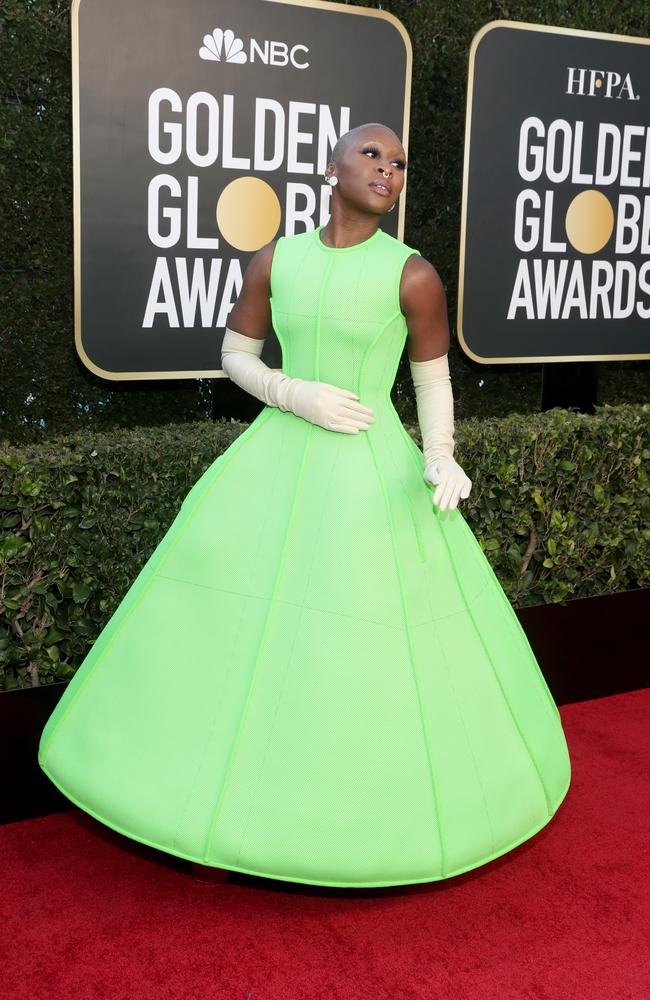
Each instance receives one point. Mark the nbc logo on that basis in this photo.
(224, 46)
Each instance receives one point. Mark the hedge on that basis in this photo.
(560, 505)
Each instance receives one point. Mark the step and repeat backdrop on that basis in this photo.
(201, 132)
(555, 234)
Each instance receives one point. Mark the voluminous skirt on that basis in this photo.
(316, 677)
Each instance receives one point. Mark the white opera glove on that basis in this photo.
(318, 402)
(435, 408)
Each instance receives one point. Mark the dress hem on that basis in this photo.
(308, 881)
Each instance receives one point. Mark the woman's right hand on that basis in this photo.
(329, 406)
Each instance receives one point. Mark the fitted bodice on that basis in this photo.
(336, 311)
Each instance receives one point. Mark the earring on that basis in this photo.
(332, 179)
(392, 206)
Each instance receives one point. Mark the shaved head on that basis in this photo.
(352, 135)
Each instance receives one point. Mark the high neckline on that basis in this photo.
(355, 246)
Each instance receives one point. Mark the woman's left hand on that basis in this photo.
(446, 474)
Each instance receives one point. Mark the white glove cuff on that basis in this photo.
(241, 361)
(240, 342)
(435, 406)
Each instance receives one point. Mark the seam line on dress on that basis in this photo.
(287, 666)
(260, 650)
(319, 311)
(496, 674)
(204, 758)
(297, 267)
(283, 600)
(434, 621)
(160, 554)
(520, 633)
(450, 675)
(311, 607)
(410, 650)
(403, 597)
(276, 585)
(418, 459)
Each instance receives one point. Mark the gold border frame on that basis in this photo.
(524, 26)
(217, 372)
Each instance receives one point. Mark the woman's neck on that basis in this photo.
(341, 233)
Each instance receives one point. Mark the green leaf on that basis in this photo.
(538, 499)
(80, 592)
(54, 635)
(11, 545)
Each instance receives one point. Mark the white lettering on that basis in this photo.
(521, 242)
(156, 184)
(198, 295)
(173, 129)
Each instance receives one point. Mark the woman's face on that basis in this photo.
(360, 171)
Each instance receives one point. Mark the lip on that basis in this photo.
(384, 194)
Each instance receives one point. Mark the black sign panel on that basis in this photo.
(202, 129)
(555, 241)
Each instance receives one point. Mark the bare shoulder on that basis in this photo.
(421, 286)
(258, 270)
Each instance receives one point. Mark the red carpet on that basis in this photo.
(87, 913)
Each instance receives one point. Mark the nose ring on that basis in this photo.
(384, 172)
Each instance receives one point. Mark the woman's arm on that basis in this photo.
(251, 313)
(424, 304)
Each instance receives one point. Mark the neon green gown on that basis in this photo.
(317, 676)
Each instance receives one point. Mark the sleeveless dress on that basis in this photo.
(317, 676)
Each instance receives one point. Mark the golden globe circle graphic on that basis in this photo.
(248, 213)
(589, 221)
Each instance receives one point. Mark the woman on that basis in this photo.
(343, 694)
(369, 163)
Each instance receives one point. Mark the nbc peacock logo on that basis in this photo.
(223, 46)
